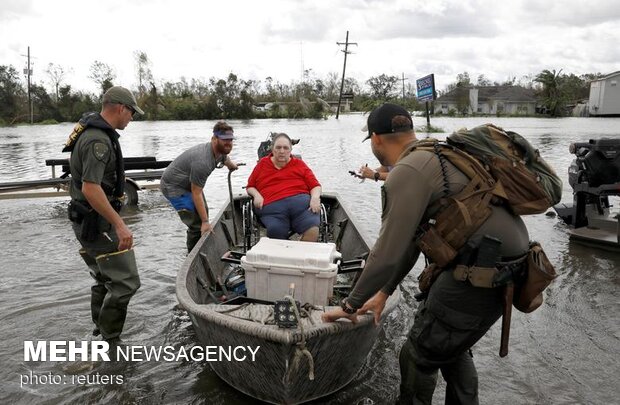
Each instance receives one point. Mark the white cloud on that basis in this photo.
(195, 39)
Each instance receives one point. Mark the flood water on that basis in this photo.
(567, 352)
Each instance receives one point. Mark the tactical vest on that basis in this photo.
(459, 216)
(95, 120)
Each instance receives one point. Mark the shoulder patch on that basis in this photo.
(101, 151)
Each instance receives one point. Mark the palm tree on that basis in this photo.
(553, 95)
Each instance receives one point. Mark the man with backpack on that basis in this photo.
(475, 244)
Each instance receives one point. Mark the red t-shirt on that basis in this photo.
(275, 184)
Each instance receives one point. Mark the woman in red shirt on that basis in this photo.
(286, 193)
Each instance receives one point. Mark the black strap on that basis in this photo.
(95, 120)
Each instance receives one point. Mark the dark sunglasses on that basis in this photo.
(130, 108)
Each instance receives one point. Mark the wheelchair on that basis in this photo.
(252, 226)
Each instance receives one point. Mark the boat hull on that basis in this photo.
(282, 372)
(272, 377)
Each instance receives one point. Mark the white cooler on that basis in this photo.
(273, 264)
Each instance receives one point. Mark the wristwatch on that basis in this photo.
(346, 308)
(376, 176)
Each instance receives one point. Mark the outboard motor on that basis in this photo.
(597, 162)
(594, 175)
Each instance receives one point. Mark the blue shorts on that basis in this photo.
(182, 202)
(291, 213)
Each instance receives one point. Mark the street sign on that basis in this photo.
(426, 88)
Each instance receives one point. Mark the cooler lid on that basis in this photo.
(288, 253)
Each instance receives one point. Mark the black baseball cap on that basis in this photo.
(380, 120)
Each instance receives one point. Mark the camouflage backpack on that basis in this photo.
(503, 168)
(527, 183)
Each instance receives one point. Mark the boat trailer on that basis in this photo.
(143, 168)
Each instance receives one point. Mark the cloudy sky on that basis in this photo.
(256, 39)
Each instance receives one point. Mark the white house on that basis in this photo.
(512, 100)
(605, 95)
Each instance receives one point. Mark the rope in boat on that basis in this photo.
(300, 350)
(228, 311)
(264, 320)
(300, 347)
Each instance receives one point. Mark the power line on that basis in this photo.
(346, 51)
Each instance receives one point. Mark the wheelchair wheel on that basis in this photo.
(324, 231)
(250, 226)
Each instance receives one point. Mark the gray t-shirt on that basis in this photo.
(191, 167)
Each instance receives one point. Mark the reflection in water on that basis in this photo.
(12, 166)
(556, 354)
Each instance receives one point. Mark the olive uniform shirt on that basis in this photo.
(412, 186)
(92, 160)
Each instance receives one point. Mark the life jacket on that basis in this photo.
(503, 168)
(94, 120)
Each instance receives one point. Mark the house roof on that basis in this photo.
(609, 76)
(489, 93)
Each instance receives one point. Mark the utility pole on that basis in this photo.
(28, 72)
(404, 78)
(346, 44)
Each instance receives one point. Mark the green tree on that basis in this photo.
(463, 80)
(332, 86)
(272, 93)
(71, 105)
(44, 107)
(383, 87)
(232, 97)
(151, 102)
(103, 75)
(143, 71)
(553, 98)
(12, 96)
(57, 76)
(483, 81)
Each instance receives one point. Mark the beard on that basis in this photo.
(223, 148)
(380, 156)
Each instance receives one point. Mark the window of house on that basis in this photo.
(444, 106)
(613, 83)
(500, 107)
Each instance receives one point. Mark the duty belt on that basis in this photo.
(490, 277)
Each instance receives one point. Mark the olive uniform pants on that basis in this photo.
(451, 320)
(116, 279)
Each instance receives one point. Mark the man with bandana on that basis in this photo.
(184, 179)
